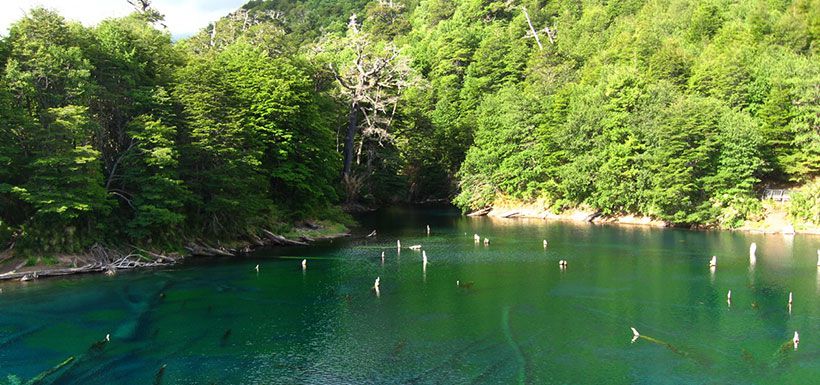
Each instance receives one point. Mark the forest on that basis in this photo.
(286, 110)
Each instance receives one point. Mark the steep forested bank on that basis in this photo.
(684, 111)
(280, 111)
(679, 110)
(115, 135)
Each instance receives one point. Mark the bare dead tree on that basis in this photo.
(213, 33)
(534, 34)
(255, 26)
(532, 29)
(550, 33)
(145, 8)
(372, 83)
(140, 5)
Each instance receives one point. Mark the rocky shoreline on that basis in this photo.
(772, 224)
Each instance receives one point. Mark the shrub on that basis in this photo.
(805, 203)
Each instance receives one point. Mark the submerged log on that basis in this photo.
(17, 336)
(42, 376)
(697, 358)
(99, 346)
(159, 375)
(224, 340)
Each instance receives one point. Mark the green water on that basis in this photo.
(522, 320)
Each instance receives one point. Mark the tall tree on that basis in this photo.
(372, 76)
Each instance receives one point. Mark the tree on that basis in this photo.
(372, 77)
(46, 67)
(65, 189)
(147, 11)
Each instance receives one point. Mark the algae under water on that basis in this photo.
(521, 319)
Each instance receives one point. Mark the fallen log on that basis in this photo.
(29, 275)
(42, 376)
(105, 261)
(257, 241)
(207, 251)
(593, 216)
(480, 213)
(159, 257)
(280, 240)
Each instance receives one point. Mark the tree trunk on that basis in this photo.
(351, 133)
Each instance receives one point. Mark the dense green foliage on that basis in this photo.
(678, 110)
(115, 134)
(681, 110)
(805, 203)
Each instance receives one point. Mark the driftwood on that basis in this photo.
(208, 251)
(268, 238)
(103, 260)
(100, 259)
(480, 213)
(258, 241)
(280, 240)
(510, 214)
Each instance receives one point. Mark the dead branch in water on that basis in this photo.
(102, 260)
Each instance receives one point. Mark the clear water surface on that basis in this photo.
(517, 318)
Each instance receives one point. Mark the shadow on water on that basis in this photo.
(500, 313)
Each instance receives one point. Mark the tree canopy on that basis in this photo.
(680, 110)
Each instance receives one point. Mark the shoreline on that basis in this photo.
(111, 261)
(775, 225)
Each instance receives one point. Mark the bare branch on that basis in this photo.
(339, 78)
(532, 29)
(116, 163)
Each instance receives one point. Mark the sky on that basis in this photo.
(183, 17)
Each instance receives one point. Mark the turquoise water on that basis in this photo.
(517, 317)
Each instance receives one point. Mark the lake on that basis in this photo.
(515, 318)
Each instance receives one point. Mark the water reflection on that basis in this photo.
(515, 313)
